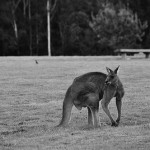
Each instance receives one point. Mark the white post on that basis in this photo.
(48, 28)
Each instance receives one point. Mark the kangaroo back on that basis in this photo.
(83, 86)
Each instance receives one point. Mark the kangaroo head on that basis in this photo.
(112, 77)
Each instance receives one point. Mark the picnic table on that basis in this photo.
(124, 52)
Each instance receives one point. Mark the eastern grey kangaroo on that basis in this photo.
(87, 90)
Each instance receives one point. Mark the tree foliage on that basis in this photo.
(78, 27)
(118, 27)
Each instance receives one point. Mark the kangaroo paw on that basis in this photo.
(118, 121)
(114, 124)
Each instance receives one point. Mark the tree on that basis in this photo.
(13, 6)
(9, 9)
(118, 27)
(74, 27)
(30, 27)
(79, 34)
(23, 26)
(50, 14)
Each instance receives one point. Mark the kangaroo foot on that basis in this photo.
(96, 126)
(114, 124)
(64, 125)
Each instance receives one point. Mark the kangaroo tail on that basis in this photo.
(67, 107)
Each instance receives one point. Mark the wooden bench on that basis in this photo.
(124, 52)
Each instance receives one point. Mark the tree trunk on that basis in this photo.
(14, 24)
(15, 28)
(48, 28)
(62, 36)
(25, 3)
(30, 29)
(37, 30)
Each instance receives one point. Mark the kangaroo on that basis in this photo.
(87, 90)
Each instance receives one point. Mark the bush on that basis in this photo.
(80, 39)
(117, 27)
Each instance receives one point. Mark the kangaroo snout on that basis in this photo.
(107, 82)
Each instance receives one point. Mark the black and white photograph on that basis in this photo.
(74, 74)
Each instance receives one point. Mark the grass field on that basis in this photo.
(31, 97)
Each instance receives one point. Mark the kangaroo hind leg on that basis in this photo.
(118, 104)
(93, 108)
(67, 107)
(93, 118)
(90, 118)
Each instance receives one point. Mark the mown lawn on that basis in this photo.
(31, 97)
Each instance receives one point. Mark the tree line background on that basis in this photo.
(77, 27)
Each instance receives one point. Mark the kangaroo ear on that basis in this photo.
(116, 70)
(108, 70)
